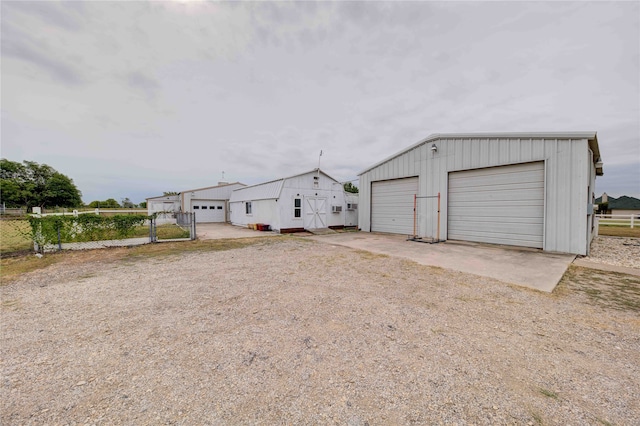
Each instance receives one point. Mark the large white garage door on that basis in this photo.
(499, 205)
(208, 211)
(392, 205)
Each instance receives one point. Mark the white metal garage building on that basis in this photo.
(522, 189)
(210, 204)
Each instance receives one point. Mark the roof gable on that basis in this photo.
(268, 190)
(590, 136)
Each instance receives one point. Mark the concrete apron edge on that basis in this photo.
(549, 284)
(605, 267)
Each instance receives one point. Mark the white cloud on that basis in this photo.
(143, 97)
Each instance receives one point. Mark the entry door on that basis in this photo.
(315, 213)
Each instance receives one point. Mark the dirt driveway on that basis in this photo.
(292, 331)
(217, 231)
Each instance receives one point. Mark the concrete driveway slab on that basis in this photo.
(529, 268)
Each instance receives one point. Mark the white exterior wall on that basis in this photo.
(351, 216)
(567, 176)
(168, 203)
(279, 212)
(262, 211)
(222, 192)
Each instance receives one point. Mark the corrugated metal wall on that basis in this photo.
(566, 180)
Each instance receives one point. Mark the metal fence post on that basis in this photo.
(151, 230)
(59, 239)
(193, 221)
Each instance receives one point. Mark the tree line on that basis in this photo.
(30, 184)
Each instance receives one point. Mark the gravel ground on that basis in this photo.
(289, 331)
(618, 251)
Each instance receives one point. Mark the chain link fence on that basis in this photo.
(86, 232)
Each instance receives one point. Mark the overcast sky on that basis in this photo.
(131, 99)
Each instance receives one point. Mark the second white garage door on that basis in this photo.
(208, 211)
(392, 205)
(499, 205)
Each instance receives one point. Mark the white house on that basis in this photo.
(211, 204)
(308, 200)
(521, 189)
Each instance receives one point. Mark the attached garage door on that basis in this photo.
(392, 205)
(499, 205)
(208, 211)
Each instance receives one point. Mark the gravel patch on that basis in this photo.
(309, 333)
(617, 251)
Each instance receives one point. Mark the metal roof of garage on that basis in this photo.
(590, 136)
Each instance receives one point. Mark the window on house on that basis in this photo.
(248, 207)
(219, 207)
(196, 207)
(297, 207)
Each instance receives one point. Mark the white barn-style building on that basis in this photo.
(521, 189)
(310, 200)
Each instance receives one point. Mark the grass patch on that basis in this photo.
(619, 231)
(170, 232)
(603, 288)
(548, 393)
(15, 236)
(13, 267)
(537, 418)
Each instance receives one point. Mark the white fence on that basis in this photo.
(618, 219)
(96, 211)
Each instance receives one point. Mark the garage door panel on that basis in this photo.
(392, 205)
(500, 205)
(495, 180)
(481, 228)
(516, 198)
(208, 211)
(512, 240)
(503, 218)
(497, 190)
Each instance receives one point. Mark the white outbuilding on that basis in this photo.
(521, 189)
(310, 200)
(163, 203)
(210, 204)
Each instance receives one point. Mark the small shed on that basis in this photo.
(309, 200)
(163, 203)
(522, 189)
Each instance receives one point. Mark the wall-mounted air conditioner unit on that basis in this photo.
(336, 209)
(352, 206)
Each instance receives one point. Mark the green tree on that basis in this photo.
(127, 203)
(170, 193)
(143, 205)
(349, 187)
(31, 184)
(109, 203)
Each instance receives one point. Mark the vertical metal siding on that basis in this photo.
(565, 180)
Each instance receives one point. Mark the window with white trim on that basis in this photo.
(247, 207)
(297, 207)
